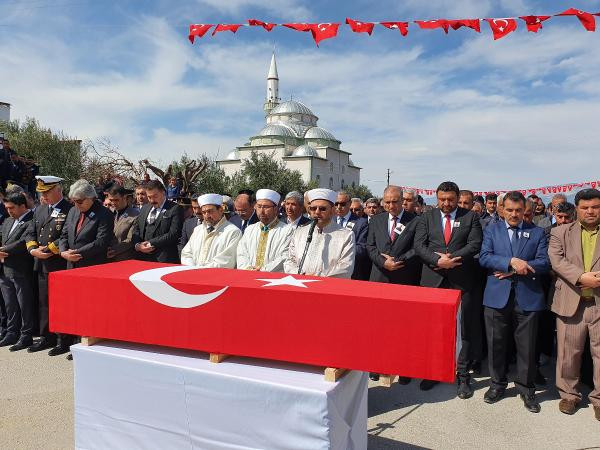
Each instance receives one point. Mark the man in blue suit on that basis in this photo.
(515, 254)
(360, 227)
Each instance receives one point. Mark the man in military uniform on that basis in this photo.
(41, 240)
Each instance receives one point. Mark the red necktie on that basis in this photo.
(393, 232)
(80, 223)
(448, 229)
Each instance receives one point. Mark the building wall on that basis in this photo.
(4, 112)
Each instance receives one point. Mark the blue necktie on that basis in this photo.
(514, 241)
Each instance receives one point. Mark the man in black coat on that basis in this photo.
(244, 210)
(16, 280)
(360, 227)
(158, 227)
(190, 224)
(447, 239)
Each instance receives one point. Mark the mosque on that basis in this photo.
(292, 135)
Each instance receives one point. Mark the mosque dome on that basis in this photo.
(319, 133)
(277, 130)
(305, 150)
(292, 107)
(233, 155)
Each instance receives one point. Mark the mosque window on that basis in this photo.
(331, 167)
(343, 183)
(330, 182)
(343, 169)
(318, 179)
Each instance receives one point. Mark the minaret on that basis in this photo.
(272, 87)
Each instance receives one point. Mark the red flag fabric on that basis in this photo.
(360, 27)
(469, 23)
(298, 26)
(400, 26)
(198, 30)
(226, 27)
(432, 24)
(534, 23)
(587, 20)
(322, 31)
(259, 23)
(502, 27)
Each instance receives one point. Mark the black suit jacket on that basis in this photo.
(186, 232)
(378, 242)
(465, 241)
(93, 239)
(166, 233)
(19, 263)
(362, 262)
(237, 220)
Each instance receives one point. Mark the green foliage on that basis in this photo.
(211, 180)
(56, 153)
(360, 191)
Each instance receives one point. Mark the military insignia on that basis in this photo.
(55, 213)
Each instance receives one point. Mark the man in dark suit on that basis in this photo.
(360, 227)
(158, 227)
(42, 237)
(125, 217)
(515, 253)
(447, 239)
(244, 210)
(16, 280)
(294, 208)
(190, 223)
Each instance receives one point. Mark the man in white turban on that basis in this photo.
(264, 245)
(214, 242)
(325, 249)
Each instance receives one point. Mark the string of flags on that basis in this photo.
(545, 190)
(500, 27)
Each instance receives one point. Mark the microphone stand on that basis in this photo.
(308, 240)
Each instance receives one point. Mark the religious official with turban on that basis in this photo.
(264, 245)
(213, 243)
(324, 248)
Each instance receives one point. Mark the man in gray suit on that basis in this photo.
(16, 281)
(121, 247)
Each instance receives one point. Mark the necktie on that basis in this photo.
(514, 240)
(340, 221)
(80, 223)
(448, 229)
(393, 232)
(152, 216)
(14, 227)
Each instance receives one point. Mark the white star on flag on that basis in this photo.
(285, 281)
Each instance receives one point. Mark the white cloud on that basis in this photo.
(288, 10)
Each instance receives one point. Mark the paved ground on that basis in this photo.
(36, 412)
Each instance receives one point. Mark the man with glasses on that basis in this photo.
(360, 227)
(325, 250)
(356, 207)
(264, 245)
(214, 242)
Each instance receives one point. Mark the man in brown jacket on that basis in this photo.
(574, 252)
(121, 247)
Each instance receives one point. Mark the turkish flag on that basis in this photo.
(587, 20)
(502, 27)
(198, 30)
(433, 24)
(259, 23)
(534, 23)
(469, 23)
(360, 27)
(321, 31)
(400, 26)
(226, 27)
(298, 26)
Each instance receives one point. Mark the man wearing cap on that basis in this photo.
(121, 247)
(190, 224)
(41, 240)
(264, 245)
(325, 249)
(214, 243)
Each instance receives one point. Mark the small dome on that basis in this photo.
(292, 107)
(277, 130)
(319, 133)
(305, 150)
(233, 155)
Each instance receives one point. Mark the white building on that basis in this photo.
(4, 112)
(292, 135)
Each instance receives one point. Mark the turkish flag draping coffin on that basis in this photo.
(375, 327)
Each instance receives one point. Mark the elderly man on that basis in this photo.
(356, 207)
(158, 227)
(264, 245)
(547, 221)
(360, 228)
(213, 243)
(294, 206)
(371, 208)
(191, 223)
(121, 247)
(16, 279)
(325, 250)
(575, 256)
(244, 210)
(409, 200)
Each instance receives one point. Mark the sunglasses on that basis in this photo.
(79, 201)
(342, 204)
(317, 208)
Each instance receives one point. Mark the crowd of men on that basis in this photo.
(529, 277)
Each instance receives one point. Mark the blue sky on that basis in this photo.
(516, 113)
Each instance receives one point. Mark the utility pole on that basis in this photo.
(388, 177)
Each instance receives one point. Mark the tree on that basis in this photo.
(359, 191)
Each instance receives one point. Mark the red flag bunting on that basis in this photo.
(360, 27)
(226, 27)
(400, 26)
(322, 31)
(469, 23)
(259, 23)
(432, 24)
(587, 20)
(198, 30)
(534, 23)
(502, 27)
(298, 26)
